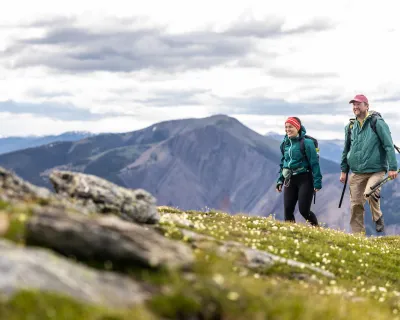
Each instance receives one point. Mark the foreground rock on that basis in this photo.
(38, 269)
(105, 238)
(16, 190)
(13, 187)
(105, 197)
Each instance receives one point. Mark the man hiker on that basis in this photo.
(369, 154)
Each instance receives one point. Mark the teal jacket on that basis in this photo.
(369, 151)
(294, 159)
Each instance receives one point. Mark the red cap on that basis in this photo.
(294, 123)
(359, 98)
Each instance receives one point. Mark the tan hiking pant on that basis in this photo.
(360, 184)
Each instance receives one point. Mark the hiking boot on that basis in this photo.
(379, 224)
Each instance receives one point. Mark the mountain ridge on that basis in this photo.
(15, 143)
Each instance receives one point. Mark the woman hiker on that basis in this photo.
(300, 172)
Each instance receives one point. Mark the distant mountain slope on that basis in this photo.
(10, 144)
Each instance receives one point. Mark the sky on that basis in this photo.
(121, 66)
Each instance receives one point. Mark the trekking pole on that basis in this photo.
(378, 184)
(344, 189)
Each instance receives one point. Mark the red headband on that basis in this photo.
(294, 123)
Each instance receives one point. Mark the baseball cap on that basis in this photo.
(359, 98)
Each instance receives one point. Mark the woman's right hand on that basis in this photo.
(279, 187)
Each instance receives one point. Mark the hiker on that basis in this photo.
(369, 155)
(299, 173)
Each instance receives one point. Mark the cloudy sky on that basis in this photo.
(115, 67)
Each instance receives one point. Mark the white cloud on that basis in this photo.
(355, 51)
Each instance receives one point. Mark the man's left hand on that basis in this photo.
(392, 174)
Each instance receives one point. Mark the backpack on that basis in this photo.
(302, 148)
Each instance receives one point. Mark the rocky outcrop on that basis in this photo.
(105, 197)
(105, 238)
(14, 188)
(39, 269)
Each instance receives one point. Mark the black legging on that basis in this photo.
(301, 188)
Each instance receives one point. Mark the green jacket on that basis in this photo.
(294, 159)
(369, 151)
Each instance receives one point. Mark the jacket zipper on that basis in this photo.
(290, 152)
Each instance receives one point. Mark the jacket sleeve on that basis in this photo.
(280, 178)
(344, 167)
(384, 134)
(314, 163)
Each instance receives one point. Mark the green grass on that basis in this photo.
(45, 306)
(366, 284)
(4, 205)
(18, 216)
(372, 259)
(365, 268)
(221, 291)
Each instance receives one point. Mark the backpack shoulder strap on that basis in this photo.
(302, 148)
(349, 129)
(374, 118)
(351, 124)
(282, 146)
(316, 146)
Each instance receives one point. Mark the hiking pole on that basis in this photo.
(344, 189)
(378, 184)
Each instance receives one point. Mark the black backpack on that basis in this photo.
(302, 148)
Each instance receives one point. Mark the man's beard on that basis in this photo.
(361, 114)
